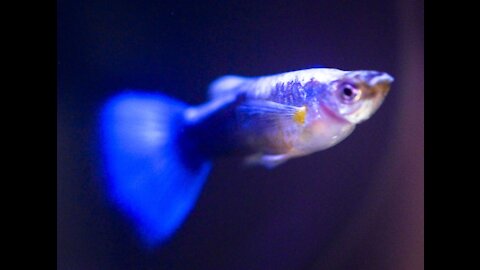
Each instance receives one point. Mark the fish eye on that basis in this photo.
(349, 94)
(347, 91)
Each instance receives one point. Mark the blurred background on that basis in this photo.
(358, 205)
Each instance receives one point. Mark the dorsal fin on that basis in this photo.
(225, 85)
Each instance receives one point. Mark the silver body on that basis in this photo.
(296, 113)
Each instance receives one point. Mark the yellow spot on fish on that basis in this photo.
(300, 114)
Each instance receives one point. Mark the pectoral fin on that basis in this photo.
(269, 112)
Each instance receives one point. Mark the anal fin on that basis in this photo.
(268, 161)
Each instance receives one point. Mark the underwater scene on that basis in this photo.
(240, 134)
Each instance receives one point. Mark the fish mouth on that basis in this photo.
(376, 86)
(381, 78)
(372, 83)
(379, 90)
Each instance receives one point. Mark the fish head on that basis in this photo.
(356, 95)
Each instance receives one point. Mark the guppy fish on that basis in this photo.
(158, 151)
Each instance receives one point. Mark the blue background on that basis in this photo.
(358, 205)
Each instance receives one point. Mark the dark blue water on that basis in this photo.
(307, 214)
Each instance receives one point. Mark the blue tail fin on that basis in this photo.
(152, 177)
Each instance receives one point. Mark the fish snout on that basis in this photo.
(378, 84)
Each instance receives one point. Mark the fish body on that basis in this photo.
(158, 151)
(274, 118)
